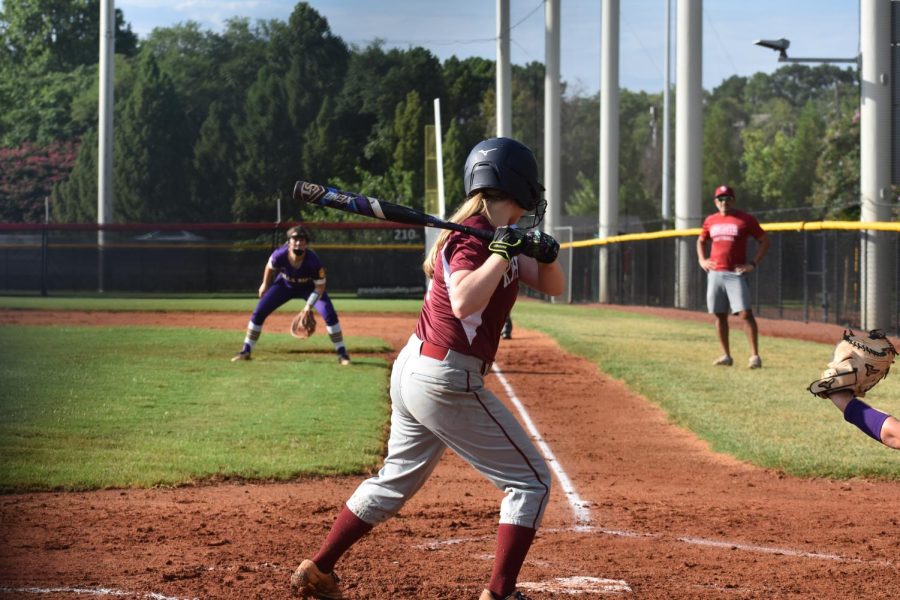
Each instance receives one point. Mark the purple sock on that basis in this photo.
(865, 417)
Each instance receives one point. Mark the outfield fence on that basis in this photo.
(374, 258)
(813, 271)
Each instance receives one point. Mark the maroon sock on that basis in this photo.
(345, 532)
(513, 542)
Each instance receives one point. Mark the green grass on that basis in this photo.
(85, 408)
(92, 407)
(198, 302)
(763, 416)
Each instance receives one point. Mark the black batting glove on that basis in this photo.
(540, 246)
(508, 242)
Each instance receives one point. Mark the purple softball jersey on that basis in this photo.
(309, 271)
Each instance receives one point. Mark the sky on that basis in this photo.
(815, 28)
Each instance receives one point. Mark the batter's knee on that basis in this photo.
(374, 511)
(526, 502)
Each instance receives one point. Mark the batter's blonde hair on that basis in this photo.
(476, 205)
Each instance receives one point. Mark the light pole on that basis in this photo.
(875, 154)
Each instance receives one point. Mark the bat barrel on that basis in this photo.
(313, 193)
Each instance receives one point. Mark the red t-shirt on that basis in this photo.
(729, 235)
(478, 334)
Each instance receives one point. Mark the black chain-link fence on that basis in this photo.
(807, 275)
(201, 258)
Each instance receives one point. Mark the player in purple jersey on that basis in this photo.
(438, 398)
(294, 271)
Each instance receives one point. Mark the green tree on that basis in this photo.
(455, 153)
(56, 35)
(312, 60)
(723, 148)
(265, 171)
(74, 200)
(767, 159)
(584, 200)
(804, 154)
(152, 152)
(320, 164)
(638, 159)
(836, 188)
(580, 149)
(213, 183)
(39, 107)
(464, 118)
(377, 82)
(409, 151)
(528, 107)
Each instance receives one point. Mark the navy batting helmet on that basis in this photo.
(506, 165)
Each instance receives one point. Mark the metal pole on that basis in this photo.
(609, 142)
(824, 278)
(805, 276)
(504, 72)
(45, 246)
(688, 141)
(666, 159)
(105, 128)
(439, 153)
(552, 101)
(780, 277)
(875, 156)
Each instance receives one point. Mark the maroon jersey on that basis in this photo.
(729, 237)
(478, 334)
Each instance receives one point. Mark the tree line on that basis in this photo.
(217, 126)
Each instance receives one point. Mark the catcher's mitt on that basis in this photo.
(304, 324)
(860, 361)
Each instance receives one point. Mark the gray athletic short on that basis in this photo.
(727, 292)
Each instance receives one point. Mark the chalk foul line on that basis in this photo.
(579, 506)
(89, 591)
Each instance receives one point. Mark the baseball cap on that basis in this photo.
(724, 190)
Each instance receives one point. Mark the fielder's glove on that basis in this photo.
(304, 324)
(540, 246)
(860, 361)
(508, 242)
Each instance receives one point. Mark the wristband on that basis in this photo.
(313, 298)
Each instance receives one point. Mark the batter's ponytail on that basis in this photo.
(473, 206)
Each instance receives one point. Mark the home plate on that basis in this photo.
(578, 585)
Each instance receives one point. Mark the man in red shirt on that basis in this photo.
(727, 267)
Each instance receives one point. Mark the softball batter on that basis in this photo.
(438, 398)
(294, 271)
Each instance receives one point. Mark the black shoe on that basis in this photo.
(506, 331)
(343, 357)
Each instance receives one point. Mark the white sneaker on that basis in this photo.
(755, 362)
(724, 361)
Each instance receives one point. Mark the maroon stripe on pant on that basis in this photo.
(524, 457)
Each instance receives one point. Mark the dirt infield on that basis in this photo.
(642, 510)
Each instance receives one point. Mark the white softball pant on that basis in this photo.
(437, 404)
